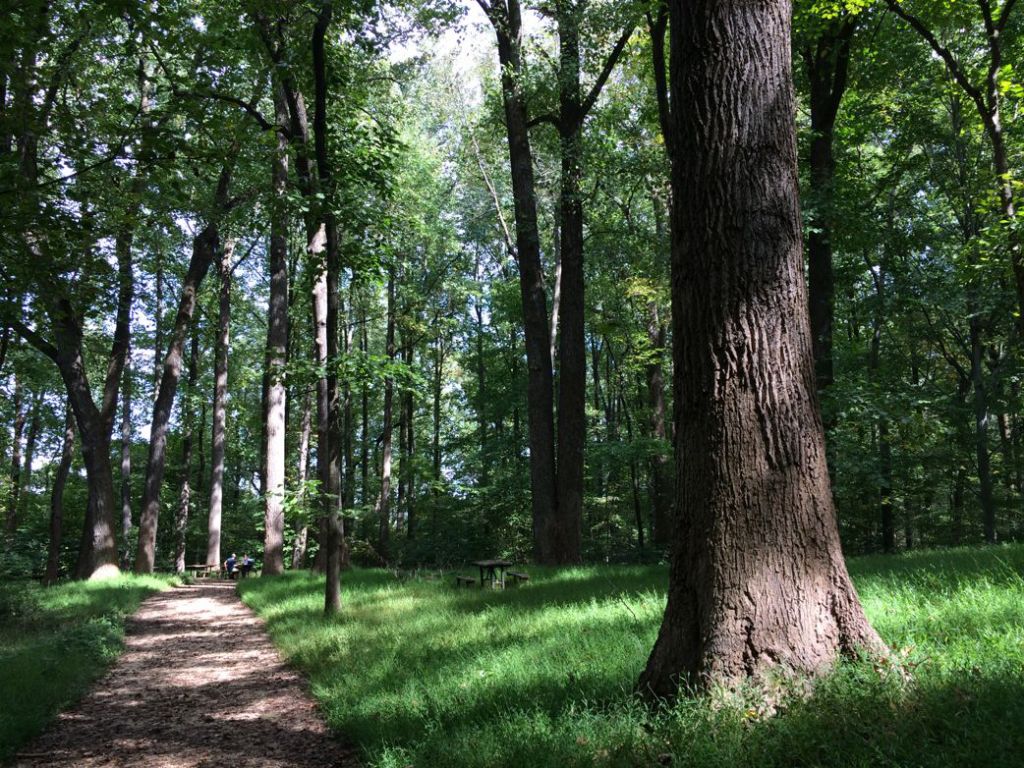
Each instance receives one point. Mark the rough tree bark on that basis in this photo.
(758, 583)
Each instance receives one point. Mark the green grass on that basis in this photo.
(54, 643)
(419, 673)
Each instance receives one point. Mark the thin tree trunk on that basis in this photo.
(277, 340)
(25, 493)
(506, 18)
(158, 322)
(981, 446)
(204, 250)
(758, 584)
(126, 463)
(57, 499)
(302, 473)
(827, 65)
(383, 511)
(185, 497)
(218, 430)
(885, 505)
(660, 470)
(437, 386)
(20, 414)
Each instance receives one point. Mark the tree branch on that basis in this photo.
(606, 71)
(34, 339)
(944, 53)
(547, 117)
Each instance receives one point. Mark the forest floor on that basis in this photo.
(419, 672)
(200, 686)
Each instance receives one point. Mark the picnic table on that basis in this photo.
(201, 569)
(495, 571)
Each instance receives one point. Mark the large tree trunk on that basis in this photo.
(277, 340)
(218, 431)
(506, 18)
(204, 250)
(185, 496)
(758, 583)
(57, 499)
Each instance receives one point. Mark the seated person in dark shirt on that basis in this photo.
(229, 566)
(246, 565)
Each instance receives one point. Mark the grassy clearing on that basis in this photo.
(54, 643)
(422, 674)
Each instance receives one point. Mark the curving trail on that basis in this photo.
(199, 686)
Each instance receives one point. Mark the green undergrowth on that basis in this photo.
(54, 643)
(419, 673)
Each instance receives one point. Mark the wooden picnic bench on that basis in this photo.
(517, 577)
(202, 571)
(468, 581)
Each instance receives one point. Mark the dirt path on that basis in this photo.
(199, 686)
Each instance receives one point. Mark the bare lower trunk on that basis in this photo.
(758, 583)
(126, 464)
(57, 500)
(185, 497)
(219, 427)
(204, 249)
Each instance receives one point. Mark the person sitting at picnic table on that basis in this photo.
(229, 565)
(246, 565)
